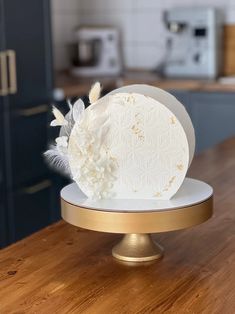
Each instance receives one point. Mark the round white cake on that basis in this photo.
(131, 146)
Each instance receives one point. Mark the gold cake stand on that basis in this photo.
(137, 224)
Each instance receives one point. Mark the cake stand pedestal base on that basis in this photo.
(137, 247)
(138, 219)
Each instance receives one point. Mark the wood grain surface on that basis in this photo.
(63, 269)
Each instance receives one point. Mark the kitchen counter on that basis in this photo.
(73, 86)
(63, 269)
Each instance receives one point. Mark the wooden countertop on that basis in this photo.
(73, 86)
(63, 269)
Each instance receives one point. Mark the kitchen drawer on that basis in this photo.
(31, 208)
(28, 142)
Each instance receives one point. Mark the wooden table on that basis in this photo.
(62, 269)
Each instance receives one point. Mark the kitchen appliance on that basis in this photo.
(97, 51)
(194, 44)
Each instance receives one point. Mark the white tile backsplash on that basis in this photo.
(65, 5)
(230, 16)
(140, 22)
(147, 4)
(148, 56)
(61, 56)
(65, 19)
(107, 5)
(148, 27)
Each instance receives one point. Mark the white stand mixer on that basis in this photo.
(98, 51)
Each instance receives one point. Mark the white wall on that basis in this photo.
(140, 22)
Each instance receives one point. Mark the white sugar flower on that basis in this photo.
(62, 145)
(94, 167)
(59, 118)
(62, 141)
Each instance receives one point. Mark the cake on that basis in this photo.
(137, 142)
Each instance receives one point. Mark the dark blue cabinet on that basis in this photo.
(184, 97)
(28, 33)
(213, 116)
(26, 193)
(32, 207)
(3, 209)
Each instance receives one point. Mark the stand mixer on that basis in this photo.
(194, 43)
(97, 52)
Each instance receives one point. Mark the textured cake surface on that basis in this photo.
(134, 148)
(171, 102)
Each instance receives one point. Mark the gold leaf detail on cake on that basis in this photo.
(180, 167)
(173, 121)
(158, 194)
(137, 132)
(136, 127)
(169, 184)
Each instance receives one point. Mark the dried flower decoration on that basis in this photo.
(79, 151)
(94, 93)
(59, 118)
(57, 154)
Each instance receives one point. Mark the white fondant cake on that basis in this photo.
(128, 145)
(135, 143)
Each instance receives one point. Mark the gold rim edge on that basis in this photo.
(137, 222)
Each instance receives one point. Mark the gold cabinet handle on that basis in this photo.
(11, 55)
(3, 74)
(28, 112)
(37, 187)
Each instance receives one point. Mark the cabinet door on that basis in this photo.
(3, 209)
(3, 183)
(28, 142)
(3, 225)
(213, 117)
(28, 32)
(184, 98)
(31, 208)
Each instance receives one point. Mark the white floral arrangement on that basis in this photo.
(95, 167)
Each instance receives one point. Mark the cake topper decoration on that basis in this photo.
(136, 142)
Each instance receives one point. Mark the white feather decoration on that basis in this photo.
(94, 93)
(59, 118)
(58, 160)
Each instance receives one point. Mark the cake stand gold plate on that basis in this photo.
(137, 219)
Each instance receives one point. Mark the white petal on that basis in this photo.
(54, 123)
(78, 109)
